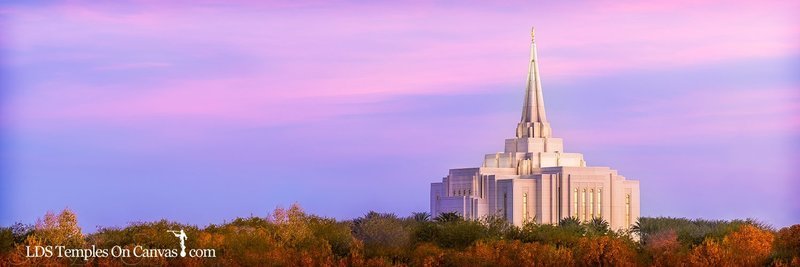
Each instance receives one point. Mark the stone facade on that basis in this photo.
(533, 179)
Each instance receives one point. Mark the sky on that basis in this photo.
(202, 112)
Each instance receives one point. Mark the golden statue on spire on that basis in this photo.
(533, 33)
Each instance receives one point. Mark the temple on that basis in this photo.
(534, 180)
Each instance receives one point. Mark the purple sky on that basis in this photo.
(201, 113)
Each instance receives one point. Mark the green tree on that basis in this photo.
(598, 226)
(448, 217)
(497, 227)
(569, 222)
(605, 251)
(338, 235)
(383, 234)
(459, 234)
(690, 232)
(663, 249)
(787, 243)
(61, 229)
(421, 216)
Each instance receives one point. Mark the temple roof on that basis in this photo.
(533, 123)
(533, 107)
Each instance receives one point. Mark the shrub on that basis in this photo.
(787, 243)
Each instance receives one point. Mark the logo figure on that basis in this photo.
(182, 236)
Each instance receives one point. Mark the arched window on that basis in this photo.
(628, 209)
(585, 208)
(591, 201)
(600, 202)
(575, 203)
(525, 206)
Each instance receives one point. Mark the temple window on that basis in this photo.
(585, 208)
(575, 203)
(591, 201)
(628, 209)
(600, 202)
(525, 206)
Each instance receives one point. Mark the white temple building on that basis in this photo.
(534, 179)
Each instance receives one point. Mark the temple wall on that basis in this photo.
(551, 196)
(533, 145)
(437, 191)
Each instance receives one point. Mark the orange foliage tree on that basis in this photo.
(787, 245)
(749, 246)
(290, 237)
(664, 248)
(604, 251)
(710, 253)
(510, 253)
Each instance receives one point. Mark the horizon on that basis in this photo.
(204, 113)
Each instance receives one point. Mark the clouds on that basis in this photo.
(377, 50)
(140, 80)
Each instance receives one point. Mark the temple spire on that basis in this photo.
(534, 121)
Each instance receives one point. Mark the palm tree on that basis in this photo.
(421, 216)
(598, 225)
(637, 227)
(448, 217)
(569, 222)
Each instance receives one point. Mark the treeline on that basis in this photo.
(291, 237)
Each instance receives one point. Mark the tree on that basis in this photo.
(421, 216)
(50, 230)
(560, 237)
(604, 251)
(459, 234)
(787, 243)
(510, 253)
(298, 244)
(569, 222)
(664, 248)
(598, 226)
(383, 234)
(571, 226)
(448, 217)
(709, 253)
(291, 237)
(6, 240)
(15, 234)
(497, 227)
(292, 227)
(338, 235)
(690, 233)
(748, 246)
(427, 254)
(61, 229)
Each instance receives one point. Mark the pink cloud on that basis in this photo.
(616, 38)
(331, 55)
(135, 65)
